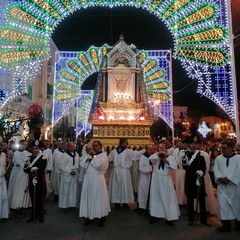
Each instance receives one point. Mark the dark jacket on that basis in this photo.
(198, 163)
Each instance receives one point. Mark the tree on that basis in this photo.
(159, 129)
(195, 114)
(178, 129)
(64, 131)
(8, 128)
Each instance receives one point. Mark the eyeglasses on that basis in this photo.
(95, 145)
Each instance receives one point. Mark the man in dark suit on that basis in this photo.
(194, 164)
(35, 167)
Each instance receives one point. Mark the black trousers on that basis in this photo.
(202, 205)
(38, 202)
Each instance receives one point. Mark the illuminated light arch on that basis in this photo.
(199, 27)
(73, 71)
(87, 63)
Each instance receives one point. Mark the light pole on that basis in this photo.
(233, 70)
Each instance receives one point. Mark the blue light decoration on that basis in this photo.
(203, 129)
(81, 102)
(84, 104)
(5, 84)
(73, 68)
(164, 108)
(201, 30)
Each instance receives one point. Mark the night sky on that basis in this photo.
(96, 26)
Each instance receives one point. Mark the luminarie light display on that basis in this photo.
(200, 29)
(73, 68)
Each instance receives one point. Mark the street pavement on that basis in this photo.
(121, 224)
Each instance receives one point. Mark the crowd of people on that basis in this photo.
(159, 177)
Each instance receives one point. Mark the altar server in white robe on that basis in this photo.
(145, 168)
(163, 200)
(94, 197)
(3, 187)
(47, 151)
(178, 154)
(120, 185)
(69, 179)
(227, 176)
(57, 172)
(88, 153)
(20, 197)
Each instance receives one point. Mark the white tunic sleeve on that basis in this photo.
(65, 166)
(216, 168)
(172, 163)
(144, 165)
(135, 155)
(98, 162)
(49, 166)
(154, 158)
(234, 176)
(2, 167)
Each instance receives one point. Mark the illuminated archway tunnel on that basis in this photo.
(199, 28)
(74, 68)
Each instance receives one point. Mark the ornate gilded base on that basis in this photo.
(109, 133)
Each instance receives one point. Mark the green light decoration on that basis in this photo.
(210, 56)
(174, 7)
(211, 34)
(39, 18)
(204, 12)
(200, 29)
(89, 62)
(84, 104)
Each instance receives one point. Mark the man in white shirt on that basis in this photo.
(163, 199)
(145, 167)
(18, 194)
(227, 175)
(94, 197)
(88, 154)
(47, 151)
(69, 179)
(57, 172)
(120, 185)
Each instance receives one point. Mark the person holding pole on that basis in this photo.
(163, 200)
(35, 167)
(194, 163)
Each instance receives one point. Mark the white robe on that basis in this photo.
(3, 188)
(20, 197)
(48, 153)
(120, 185)
(56, 172)
(135, 173)
(68, 185)
(145, 178)
(163, 200)
(81, 174)
(17, 197)
(180, 178)
(229, 194)
(211, 201)
(94, 197)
